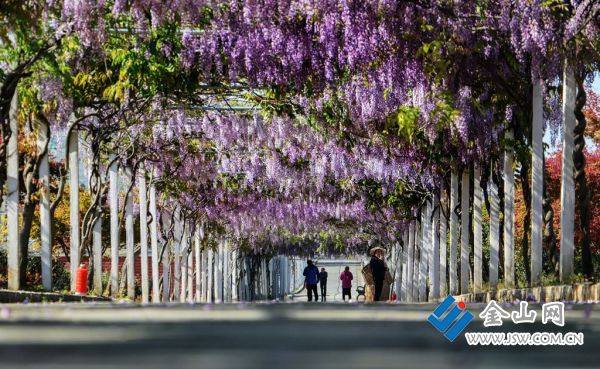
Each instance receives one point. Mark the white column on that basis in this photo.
(176, 255)
(166, 260)
(210, 277)
(410, 262)
(234, 276)
(183, 250)
(263, 279)
(45, 218)
(190, 271)
(166, 278)
(464, 232)
(12, 198)
(424, 251)
(443, 244)
(219, 274)
(400, 266)
(429, 246)
(198, 265)
(537, 182)
(567, 187)
(129, 234)
(453, 232)
(477, 230)
(226, 274)
(494, 234)
(97, 253)
(403, 291)
(205, 275)
(509, 212)
(143, 234)
(435, 255)
(417, 258)
(114, 228)
(154, 246)
(74, 204)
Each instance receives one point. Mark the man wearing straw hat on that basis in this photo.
(378, 267)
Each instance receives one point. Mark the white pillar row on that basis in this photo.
(410, 262)
(454, 231)
(537, 181)
(198, 266)
(154, 245)
(183, 250)
(113, 192)
(12, 198)
(129, 236)
(494, 234)
(424, 251)
(464, 232)
(178, 230)
(443, 242)
(477, 230)
(509, 211)
(73, 148)
(143, 234)
(97, 253)
(567, 186)
(435, 254)
(45, 217)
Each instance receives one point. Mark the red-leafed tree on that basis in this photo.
(592, 115)
(553, 172)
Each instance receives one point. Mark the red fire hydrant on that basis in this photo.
(81, 282)
(394, 296)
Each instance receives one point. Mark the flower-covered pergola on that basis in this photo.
(217, 132)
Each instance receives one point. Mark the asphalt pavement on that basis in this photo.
(272, 335)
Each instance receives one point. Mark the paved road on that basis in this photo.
(262, 336)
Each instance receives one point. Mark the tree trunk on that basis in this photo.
(454, 231)
(465, 226)
(526, 220)
(549, 234)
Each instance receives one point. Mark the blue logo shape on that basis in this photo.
(458, 314)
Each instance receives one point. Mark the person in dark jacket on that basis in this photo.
(311, 278)
(323, 284)
(377, 265)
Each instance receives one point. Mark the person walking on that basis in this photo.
(311, 278)
(323, 283)
(346, 277)
(378, 268)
